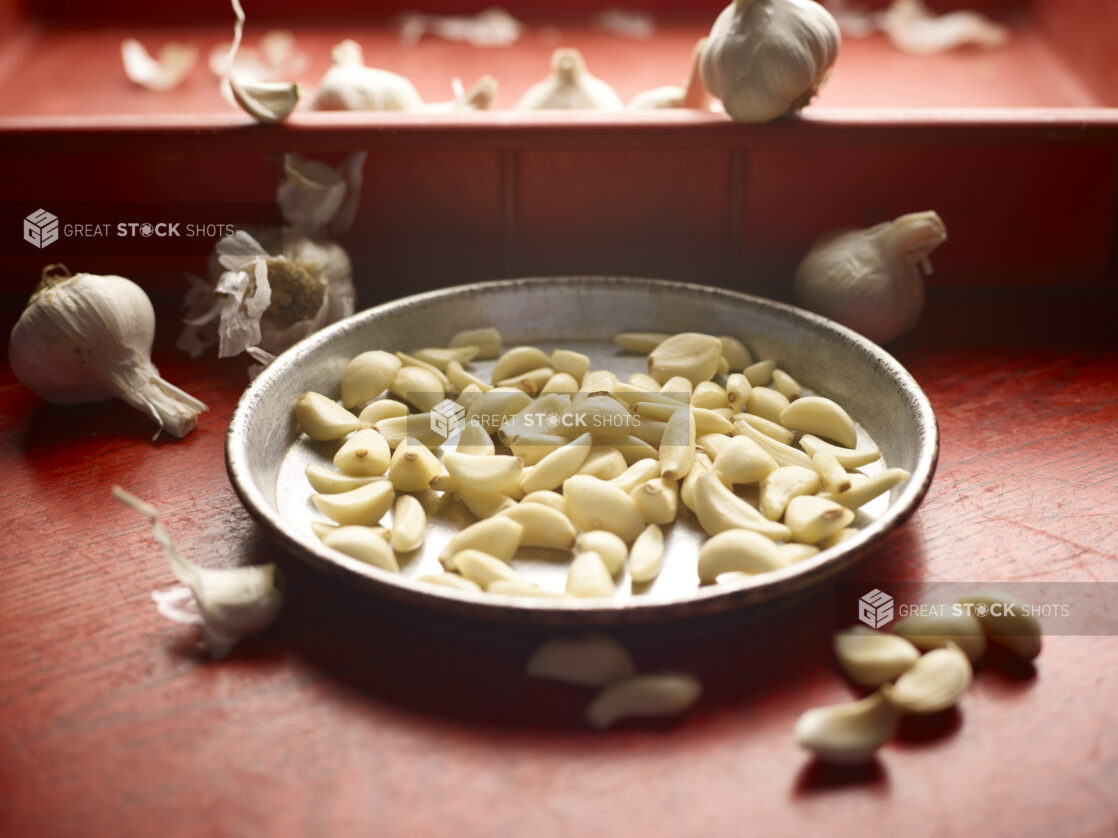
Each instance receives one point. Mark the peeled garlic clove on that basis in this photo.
(592, 660)
(531, 382)
(417, 386)
(812, 519)
(766, 403)
(846, 457)
(460, 379)
(935, 682)
(330, 482)
(719, 509)
(321, 529)
(475, 441)
(491, 408)
(785, 455)
(365, 454)
(381, 409)
(710, 395)
(594, 504)
(265, 101)
(1006, 621)
(740, 551)
(368, 375)
(498, 536)
(822, 417)
(543, 526)
(735, 352)
(847, 733)
(485, 504)
(572, 363)
(413, 466)
(868, 489)
(604, 462)
(607, 545)
(598, 381)
(487, 340)
(588, 577)
(760, 373)
(656, 694)
(691, 95)
(779, 486)
(518, 360)
(365, 544)
(692, 355)
(570, 86)
(637, 474)
(647, 554)
(498, 473)
(870, 280)
(832, 476)
(409, 524)
(786, 385)
(554, 500)
(677, 446)
(740, 460)
(640, 342)
(482, 568)
(791, 552)
(872, 658)
(451, 580)
(560, 383)
(771, 429)
(934, 631)
(364, 505)
(768, 58)
(701, 466)
(323, 419)
(441, 357)
(709, 421)
(737, 390)
(417, 426)
(657, 500)
(643, 381)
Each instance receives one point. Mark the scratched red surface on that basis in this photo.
(349, 718)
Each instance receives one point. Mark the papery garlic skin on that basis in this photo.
(870, 280)
(165, 73)
(767, 58)
(570, 87)
(87, 338)
(351, 86)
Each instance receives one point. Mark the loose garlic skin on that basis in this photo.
(870, 280)
(767, 58)
(570, 87)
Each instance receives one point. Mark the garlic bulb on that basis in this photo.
(87, 338)
(570, 86)
(351, 86)
(870, 279)
(767, 58)
(228, 603)
(691, 95)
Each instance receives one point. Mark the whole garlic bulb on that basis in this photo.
(570, 86)
(870, 279)
(87, 338)
(351, 86)
(767, 58)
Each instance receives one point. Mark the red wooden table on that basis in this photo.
(348, 718)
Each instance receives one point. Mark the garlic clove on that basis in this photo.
(495, 473)
(483, 568)
(740, 460)
(779, 486)
(554, 500)
(640, 342)
(657, 500)
(323, 419)
(419, 387)
(872, 658)
(785, 455)
(692, 94)
(718, 509)
(267, 102)
(637, 474)
(647, 555)
(474, 440)
(934, 683)
(498, 536)
(542, 526)
(651, 695)
(933, 631)
(232, 602)
(487, 340)
(363, 505)
(609, 547)
(368, 375)
(442, 356)
(737, 551)
(677, 445)
(812, 519)
(594, 504)
(518, 360)
(692, 355)
(822, 417)
(850, 733)
(1006, 622)
(413, 466)
(572, 363)
(769, 428)
(484, 504)
(588, 577)
(365, 454)
(766, 403)
(846, 457)
(363, 543)
(864, 491)
(592, 660)
(409, 524)
(330, 482)
(165, 73)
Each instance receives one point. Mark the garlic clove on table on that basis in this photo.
(870, 280)
(86, 338)
(692, 94)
